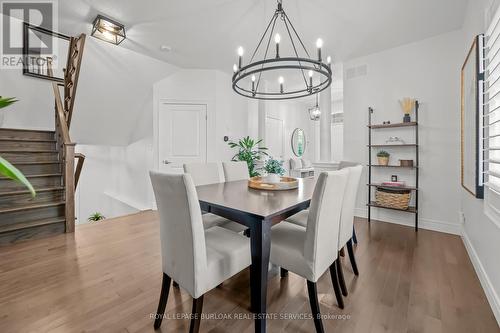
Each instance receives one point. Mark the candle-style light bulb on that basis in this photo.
(329, 61)
(281, 80)
(311, 73)
(240, 55)
(235, 68)
(253, 85)
(277, 40)
(319, 45)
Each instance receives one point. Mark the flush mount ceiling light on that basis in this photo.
(108, 30)
(315, 74)
(315, 112)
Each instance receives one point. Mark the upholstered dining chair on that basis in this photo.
(342, 165)
(346, 226)
(198, 259)
(211, 173)
(235, 171)
(310, 251)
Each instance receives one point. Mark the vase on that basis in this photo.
(406, 118)
(383, 160)
(272, 178)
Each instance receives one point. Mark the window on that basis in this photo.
(491, 119)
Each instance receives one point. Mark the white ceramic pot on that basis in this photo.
(272, 178)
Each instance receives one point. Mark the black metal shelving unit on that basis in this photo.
(415, 167)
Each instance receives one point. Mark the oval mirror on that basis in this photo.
(298, 142)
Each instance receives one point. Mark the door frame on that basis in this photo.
(211, 128)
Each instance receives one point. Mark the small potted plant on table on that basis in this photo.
(274, 169)
(383, 157)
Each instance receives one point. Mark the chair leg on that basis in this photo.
(313, 300)
(283, 272)
(196, 314)
(352, 258)
(175, 284)
(336, 287)
(165, 287)
(354, 238)
(340, 273)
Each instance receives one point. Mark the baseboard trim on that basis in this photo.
(489, 290)
(427, 224)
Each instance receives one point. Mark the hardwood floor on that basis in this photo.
(106, 277)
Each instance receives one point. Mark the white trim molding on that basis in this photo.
(423, 223)
(489, 289)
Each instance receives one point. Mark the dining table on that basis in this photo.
(259, 210)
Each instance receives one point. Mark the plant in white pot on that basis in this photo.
(274, 169)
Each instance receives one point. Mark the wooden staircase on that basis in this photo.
(47, 159)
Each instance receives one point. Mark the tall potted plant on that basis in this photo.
(7, 169)
(250, 152)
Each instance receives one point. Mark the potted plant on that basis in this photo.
(95, 217)
(248, 151)
(383, 157)
(7, 169)
(407, 106)
(274, 169)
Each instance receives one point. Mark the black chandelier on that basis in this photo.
(316, 74)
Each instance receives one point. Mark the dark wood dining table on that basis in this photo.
(258, 210)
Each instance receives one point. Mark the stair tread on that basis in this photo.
(28, 140)
(26, 130)
(34, 163)
(29, 151)
(30, 224)
(32, 206)
(57, 174)
(38, 190)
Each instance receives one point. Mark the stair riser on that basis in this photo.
(38, 169)
(19, 200)
(29, 157)
(7, 185)
(29, 215)
(32, 135)
(32, 233)
(27, 145)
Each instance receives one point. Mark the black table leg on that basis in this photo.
(260, 239)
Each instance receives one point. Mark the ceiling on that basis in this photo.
(205, 34)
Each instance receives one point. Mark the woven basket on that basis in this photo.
(397, 198)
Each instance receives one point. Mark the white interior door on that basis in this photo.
(274, 137)
(182, 135)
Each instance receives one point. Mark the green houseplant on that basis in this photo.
(274, 169)
(383, 157)
(7, 169)
(250, 152)
(95, 217)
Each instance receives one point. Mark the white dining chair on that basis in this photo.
(310, 251)
(205, 174)
(235, 171)
(342, 165)
(346, 226)
(198, 259)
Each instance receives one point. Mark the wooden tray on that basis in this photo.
(287, 183)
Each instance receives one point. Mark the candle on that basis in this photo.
(319, 45)
(253, 84)
(329, 61)
(311, 73)
(235, 68)
(281, 80)
(277, 39)
(240, 54)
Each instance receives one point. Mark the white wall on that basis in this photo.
(481, 235)
(429, 71)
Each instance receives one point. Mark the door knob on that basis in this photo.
(166, 162)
